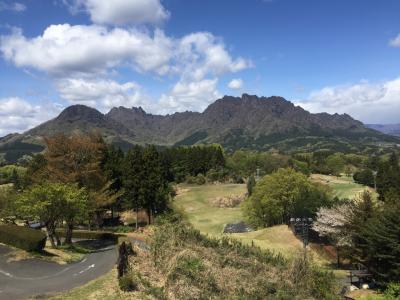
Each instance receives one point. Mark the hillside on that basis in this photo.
(249, 122)
(392, 129)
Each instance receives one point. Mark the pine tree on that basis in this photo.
(388, 178)
(16, 180)
(379, 242)
(251, 182)
(153, 185)
(133, 177)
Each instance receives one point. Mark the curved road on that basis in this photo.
(34, 277)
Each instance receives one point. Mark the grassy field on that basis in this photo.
(194, 202)
(343, 186)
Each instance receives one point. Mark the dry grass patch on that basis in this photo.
(227, 202)
(187, 265)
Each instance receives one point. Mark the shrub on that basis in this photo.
(190, 180)
(127, 283)
(393, 291)
(365, 177)
(200, 179)
(90, 235)
(22, 237)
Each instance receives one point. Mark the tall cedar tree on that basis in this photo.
(251, 182)
(154, 188)
(379, 244)
(113, 168)
(133, 175)
(388, 178)
(144, 183)
(178, 162)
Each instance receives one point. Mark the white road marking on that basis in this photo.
(88, 268)
(5, 273)
(83, 260)
(34, 278)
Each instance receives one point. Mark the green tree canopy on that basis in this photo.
(284, 194)
(53, 202)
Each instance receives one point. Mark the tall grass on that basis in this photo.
(199, 267)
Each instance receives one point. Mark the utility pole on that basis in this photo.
(375, 173)
(258, 174)
(304, 223)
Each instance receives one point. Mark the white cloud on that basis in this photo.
(121, 12)
(101, 49)
(15, 6)
(65, 49)
(395, 42)
(191, 96)
(201, 53)
(368, 102)
(18, 115)
(101, 93)
(235, 84)
(76, 56)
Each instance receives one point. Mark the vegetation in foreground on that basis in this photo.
(197, 267)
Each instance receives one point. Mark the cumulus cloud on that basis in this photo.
(121, 12)
(101, 49)
(101, 93)
(201, 53)
(14, 6)
(368, 102)
(189, 96)
(395, 42)
(235, 84)
(18, 115)
(65, 49)
(196, 59)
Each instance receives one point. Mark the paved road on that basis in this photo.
(34, 277)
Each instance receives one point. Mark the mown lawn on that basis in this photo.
(194, 202)
(343, 186)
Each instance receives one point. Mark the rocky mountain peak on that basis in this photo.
(80, 112)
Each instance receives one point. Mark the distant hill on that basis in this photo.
(249, 122)
(392, 129)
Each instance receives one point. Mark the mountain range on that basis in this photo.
(392, 129)
(249, 121)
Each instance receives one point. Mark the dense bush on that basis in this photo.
(393, 291)
(22, 237)
(127, 282)
(90, 235)
(200, 179)
(365, 177)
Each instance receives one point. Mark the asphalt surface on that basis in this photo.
(34, 277)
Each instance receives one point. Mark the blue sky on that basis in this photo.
(175, 55)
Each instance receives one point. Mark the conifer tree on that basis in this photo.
(379, 244)
(388, 178)
(251, 182)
